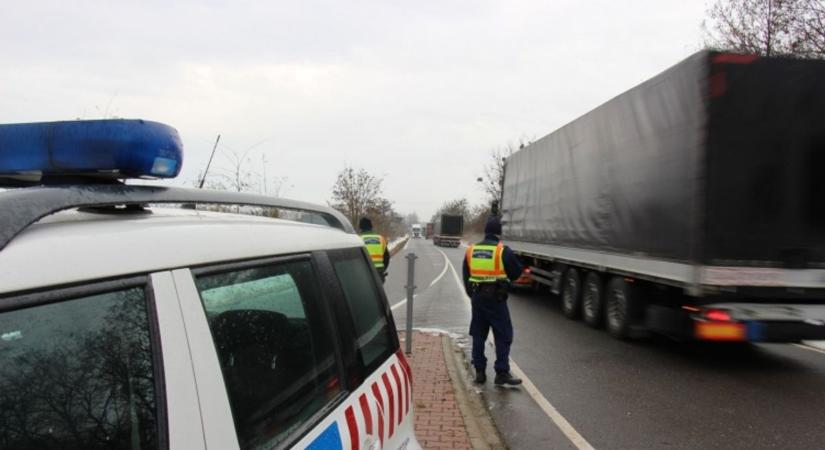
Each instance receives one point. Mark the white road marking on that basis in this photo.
(446, 266)
(577, 439)
(457, 278)
(402, 302)
(808, 347)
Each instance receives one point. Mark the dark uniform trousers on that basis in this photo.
(490, 311)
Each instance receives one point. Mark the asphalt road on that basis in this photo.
(652, 393)
(439, 301)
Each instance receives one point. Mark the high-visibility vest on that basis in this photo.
(376, 246)
(486, 263)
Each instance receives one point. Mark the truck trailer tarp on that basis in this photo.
(717, 161)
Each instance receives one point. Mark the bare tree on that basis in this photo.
(411, 219)
(478, 218)
(767, 27)
(493, 180)
(238, 172)
(384, 218)
(810, 26)
(355, 193)
(458, 207)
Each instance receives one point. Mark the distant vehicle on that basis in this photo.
(428, 233)
(416, 231)
(691, 205)
(448, 230)
(124, 324)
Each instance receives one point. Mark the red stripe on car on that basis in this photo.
(353, 428)
(380, 400)
(365, 409)
(400, 393)
(391, 398)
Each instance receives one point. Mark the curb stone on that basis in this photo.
(480, 427)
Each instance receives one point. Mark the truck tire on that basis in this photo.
(593, 300)
(623, 304)
(571, 296)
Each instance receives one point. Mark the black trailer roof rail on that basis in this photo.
(20, 208)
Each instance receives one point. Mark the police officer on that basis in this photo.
(376, 247)
(489, 266)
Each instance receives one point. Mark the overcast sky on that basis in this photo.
(418, 93)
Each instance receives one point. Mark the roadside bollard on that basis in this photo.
(410, 294)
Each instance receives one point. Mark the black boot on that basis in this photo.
(505, 378)
(481, 377)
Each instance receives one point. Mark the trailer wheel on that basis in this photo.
(623, 306)
(571, 294)
(593, 300)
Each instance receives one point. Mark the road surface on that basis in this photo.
(626, 395)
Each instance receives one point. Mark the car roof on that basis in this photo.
(75, 246)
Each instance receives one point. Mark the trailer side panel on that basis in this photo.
(623, 178)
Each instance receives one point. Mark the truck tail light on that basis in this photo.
(720, 331)
(718, 315)
(717, 325)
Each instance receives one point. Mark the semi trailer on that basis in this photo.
(448, 230)
(692, 205)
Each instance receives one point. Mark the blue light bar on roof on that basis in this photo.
(114, 149)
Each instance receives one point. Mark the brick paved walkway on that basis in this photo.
(438, 421)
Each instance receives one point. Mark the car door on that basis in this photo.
(378, 411)
(267, 350)
(296, 352)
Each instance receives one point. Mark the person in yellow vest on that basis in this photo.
(489, 267)
(376, 247)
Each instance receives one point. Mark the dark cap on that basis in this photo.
(492, 227)
(365, 224)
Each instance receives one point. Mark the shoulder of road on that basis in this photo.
(453, 412)
(448, 413)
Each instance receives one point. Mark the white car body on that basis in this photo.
(70, 249)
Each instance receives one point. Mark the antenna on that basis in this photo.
(215, 147)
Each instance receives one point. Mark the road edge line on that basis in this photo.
(809, 347)
(457, 278)
(577, 439)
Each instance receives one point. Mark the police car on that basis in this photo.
(124, 324)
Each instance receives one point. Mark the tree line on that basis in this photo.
(794, 28)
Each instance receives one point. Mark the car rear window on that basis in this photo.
(274, 347)
(367, 307)
(78, 374)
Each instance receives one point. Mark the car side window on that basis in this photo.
(369, 314)
(275, 349)
(78, 374)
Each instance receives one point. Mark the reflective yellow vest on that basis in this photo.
(486, 263)
(376, 246)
